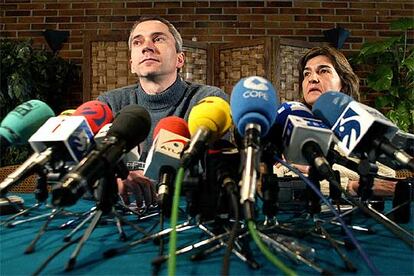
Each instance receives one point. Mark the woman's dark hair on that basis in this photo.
(349, 80)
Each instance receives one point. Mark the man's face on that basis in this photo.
(319, 76)
(153, 52)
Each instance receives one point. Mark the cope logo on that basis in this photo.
(349, 129)
(256, 88)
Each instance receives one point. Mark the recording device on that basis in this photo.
(292, 193)
(170, 137)
(208, 120)
(253, 104)
(105, 158)
(20, 123)
(359, 128)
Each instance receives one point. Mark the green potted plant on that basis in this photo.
(30, 73)
(392, 64)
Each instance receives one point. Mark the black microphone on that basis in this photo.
(105, 158)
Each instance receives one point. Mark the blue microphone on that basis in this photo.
(291, 108)
(253, 105)
(359, 128)
(305, 138)
(253, 101)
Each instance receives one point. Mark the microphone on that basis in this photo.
(62, 138)
(69, 138)
(253, 104)
(273, 140)
(105, 158)
(208, 120)
(20, 123)
(72, 136)
(306, 140)
(67, 112)
(96, 113)
(170, 137)
(359, 128)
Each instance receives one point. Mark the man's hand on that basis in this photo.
(380, 187)
(139, 186)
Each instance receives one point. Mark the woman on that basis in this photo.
(324, 69)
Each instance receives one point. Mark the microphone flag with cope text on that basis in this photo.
(358, 127)
(106, 156)
(253, 104)
(208, 120)
(20, 123)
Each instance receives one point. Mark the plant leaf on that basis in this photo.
(402, 24)
(381, 78)
(370, 48)
(409, 62)
(383, 101)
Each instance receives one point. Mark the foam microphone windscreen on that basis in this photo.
(330, 105)
(96, 113)
(20, 123)
(254, 100)
(132, 124)
(291, 108)
(67, 112)
(212, 113)
(173, 124)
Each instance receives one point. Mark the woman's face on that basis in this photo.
(319, 76)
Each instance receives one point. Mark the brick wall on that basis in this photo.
(212, 21)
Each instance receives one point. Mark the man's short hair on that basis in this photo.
(171, 28)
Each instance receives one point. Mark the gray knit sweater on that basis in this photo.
(177, 100)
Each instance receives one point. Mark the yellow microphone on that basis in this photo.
(67, 112)
(208, 120)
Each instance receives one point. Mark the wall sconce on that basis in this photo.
(336, 36)
(55, 39)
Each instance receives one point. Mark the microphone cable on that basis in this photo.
(266, 252)
(347, 231)
(174, 217)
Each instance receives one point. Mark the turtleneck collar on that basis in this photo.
(169, 97)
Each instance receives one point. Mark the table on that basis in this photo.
(389, 254)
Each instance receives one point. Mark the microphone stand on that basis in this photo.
(41, 194)
(106, 197)
(365, 170)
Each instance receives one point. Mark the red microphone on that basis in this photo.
(173, 124)
(170, 137)
(96, 113)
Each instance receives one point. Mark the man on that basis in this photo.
(156, 58)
